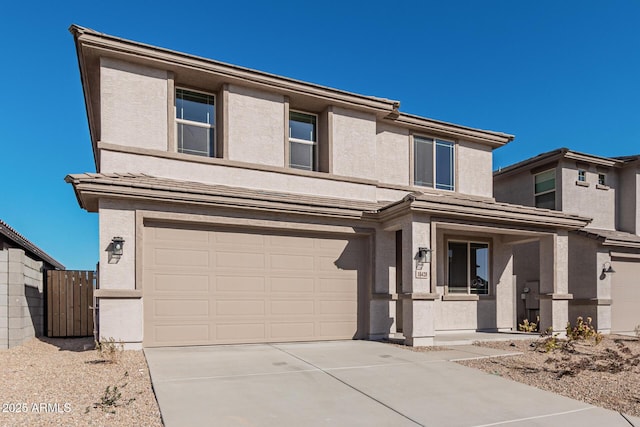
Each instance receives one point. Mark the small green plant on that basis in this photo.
(551, 343)
(527, 326)
(583, 331)
(109, 350)
(112, 398)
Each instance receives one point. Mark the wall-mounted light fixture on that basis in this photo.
(606, 268)
(117, 246)
(423, 255)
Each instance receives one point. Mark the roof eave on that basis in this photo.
(491, 138)
(90, 39)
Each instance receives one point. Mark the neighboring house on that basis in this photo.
(23, 266)
(238, 206)
(604, 257)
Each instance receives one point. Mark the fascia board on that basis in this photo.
(90, 193)
(137, 51)
(493, 139)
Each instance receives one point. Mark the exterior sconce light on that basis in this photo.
(117, 245)
(423, 255)
(606, 268)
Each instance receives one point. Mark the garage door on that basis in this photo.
(625, 294)
(203, 286)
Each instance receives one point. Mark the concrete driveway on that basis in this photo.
(350, 383)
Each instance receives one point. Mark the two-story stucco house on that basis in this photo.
(238, 206)
(604, 257)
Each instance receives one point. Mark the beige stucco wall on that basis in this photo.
(116, 219)
(256, 126)
(233, 176)
(354, 144)
(133, 104)
(514, 188)
(583, 269)
(593, 200)
(474, 169)
(629, 200)
(392, 154)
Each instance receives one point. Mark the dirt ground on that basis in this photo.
(605, 375)
(50, 381)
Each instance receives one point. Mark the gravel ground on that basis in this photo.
(605, 375)
(57, 382)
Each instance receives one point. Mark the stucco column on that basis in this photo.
(505, 286)
(382, 320)
(603, 293)
(418, 303)
(554, 282)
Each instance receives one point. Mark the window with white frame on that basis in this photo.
(433, 163)
(303, 141)
(582, 175)
(545, 189)
(468, 269)
(602, 179)
(195, 123)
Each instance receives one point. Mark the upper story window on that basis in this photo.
(195, 123)
(303, 141)
(433, 163)
(582, 175)
(545, 189)
(468, 269)
(602, 179)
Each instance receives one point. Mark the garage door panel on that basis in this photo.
(177, 235)
(288, 262)
(338, 307)
(625, 296)
(179, 283)
(187, 333)
(240, 307)
(240, 283)
(252, 288)
(241, 332)
(189, 308)
(237, 260)
(292, 331)
(235, 239)
(287, 285)
(335, 329)
(347, 285)
(181, 257)
(292, 307)
(287, 242)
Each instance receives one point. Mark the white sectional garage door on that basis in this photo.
(203, 286)
(625, 294)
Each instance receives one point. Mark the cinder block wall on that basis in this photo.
(21, 298)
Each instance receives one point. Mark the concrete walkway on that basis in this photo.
(350, 383)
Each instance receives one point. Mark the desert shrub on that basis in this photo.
(109, 350)
(527, 326)
(583, 331)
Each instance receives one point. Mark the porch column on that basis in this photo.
(603, 290)
(418, 303)
(382, 321)
(505, 286)
(554, 282)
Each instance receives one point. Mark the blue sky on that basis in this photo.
(553, 73)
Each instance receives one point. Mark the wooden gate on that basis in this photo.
(69, 296)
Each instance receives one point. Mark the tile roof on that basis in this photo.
(612, 237)
(90, 187)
